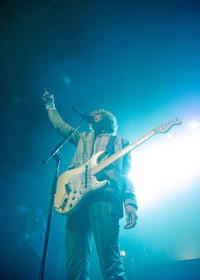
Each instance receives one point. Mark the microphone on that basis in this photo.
(86, 117)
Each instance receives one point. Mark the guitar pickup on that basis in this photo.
(64, 203)
(68, 189)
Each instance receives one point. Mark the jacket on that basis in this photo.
(120, 188)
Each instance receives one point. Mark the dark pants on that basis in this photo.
(101, 219)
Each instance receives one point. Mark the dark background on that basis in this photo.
(138, 59)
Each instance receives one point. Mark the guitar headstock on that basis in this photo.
(163, 128)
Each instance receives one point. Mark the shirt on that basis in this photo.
(101, 142)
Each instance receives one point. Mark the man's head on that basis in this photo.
(103, 121)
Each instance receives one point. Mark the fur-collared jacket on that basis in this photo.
(119, 186)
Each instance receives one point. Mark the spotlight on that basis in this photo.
(122, 253)
(194, 124)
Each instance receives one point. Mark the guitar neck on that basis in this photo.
(106, 162)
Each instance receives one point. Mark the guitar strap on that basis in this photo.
(110, 145)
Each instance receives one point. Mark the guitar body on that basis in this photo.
(74, 185)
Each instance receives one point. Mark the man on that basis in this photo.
(100, 213)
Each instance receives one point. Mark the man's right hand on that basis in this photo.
(48, 97)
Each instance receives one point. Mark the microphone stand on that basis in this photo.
(57, 155)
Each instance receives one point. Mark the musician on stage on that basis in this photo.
(99, 214)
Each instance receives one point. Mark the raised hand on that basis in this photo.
(48, 98)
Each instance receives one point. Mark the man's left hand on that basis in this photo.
(131, 216)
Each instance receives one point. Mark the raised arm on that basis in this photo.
(59, 124)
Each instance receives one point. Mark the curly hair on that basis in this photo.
(109, 121)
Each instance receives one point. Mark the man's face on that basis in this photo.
(96, 116)
(103, 121)
(98, 121)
